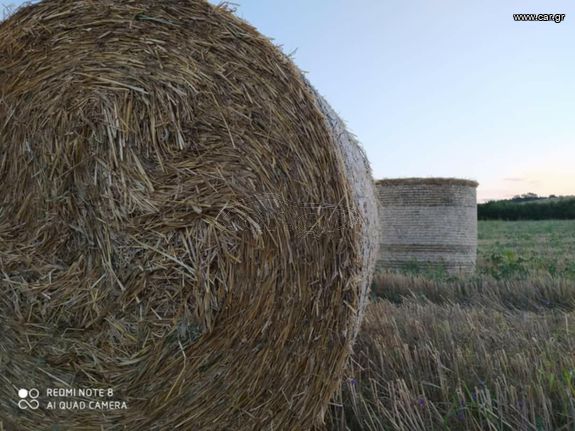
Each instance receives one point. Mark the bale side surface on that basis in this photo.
(363, 190)
(178, 222)
(431, 225)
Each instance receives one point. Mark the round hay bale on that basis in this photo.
(183, 223)
(358, 172)
(430, 223)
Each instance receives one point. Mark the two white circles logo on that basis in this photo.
(28, 399)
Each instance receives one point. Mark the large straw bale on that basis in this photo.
(428, 222)
(182, 221)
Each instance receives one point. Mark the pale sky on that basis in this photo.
(442, 88)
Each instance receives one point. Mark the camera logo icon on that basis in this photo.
(28, 399)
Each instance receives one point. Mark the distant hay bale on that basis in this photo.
(183, 220)
(428, 222)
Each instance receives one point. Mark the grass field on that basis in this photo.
(525, 248)
(495, 351)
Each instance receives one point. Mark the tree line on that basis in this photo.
(532, 208)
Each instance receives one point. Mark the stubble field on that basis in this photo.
(495, 351)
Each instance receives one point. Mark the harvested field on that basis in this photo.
(495, 351)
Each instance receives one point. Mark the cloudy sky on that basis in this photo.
(442, 88)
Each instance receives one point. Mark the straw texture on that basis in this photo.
(181, 221)
(358, 173)
(428, 222)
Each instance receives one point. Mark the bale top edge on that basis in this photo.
(427, 181)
